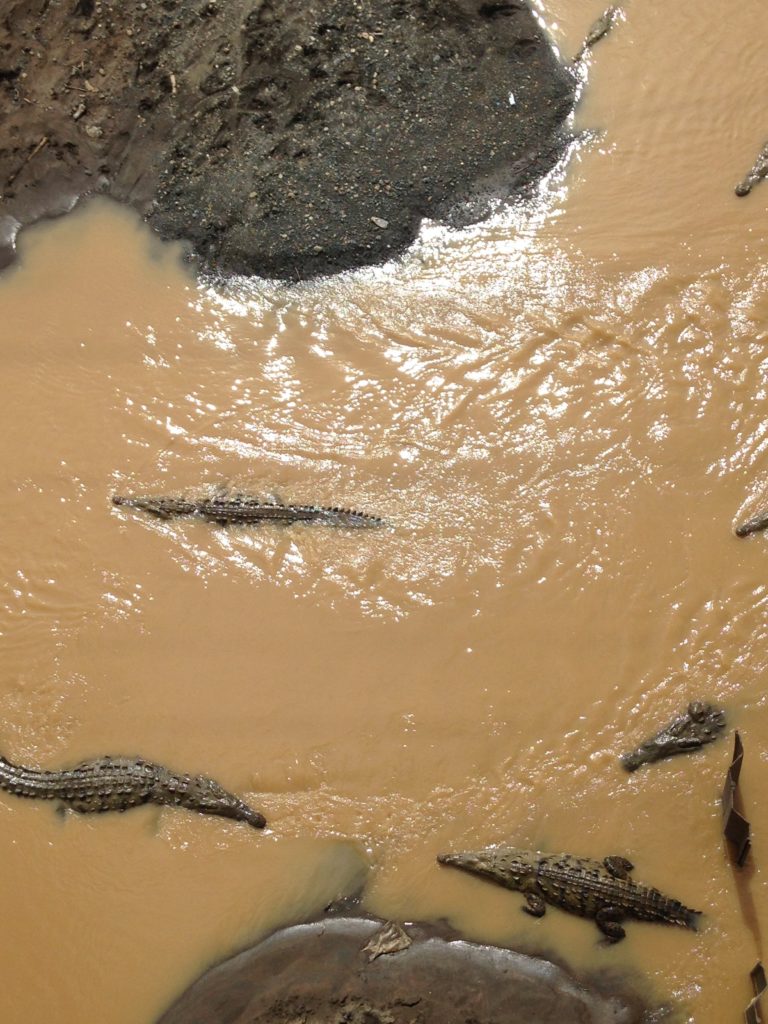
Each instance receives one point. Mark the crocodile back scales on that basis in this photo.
(577, 884)
(245, 510)
(583, 886)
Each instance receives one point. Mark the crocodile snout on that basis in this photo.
(467, 861)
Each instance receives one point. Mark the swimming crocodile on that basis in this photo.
(246, 509)
(702, 723)
(600, 890)
(753, 525)
(757, 173)
(119, 783)
(599, 29)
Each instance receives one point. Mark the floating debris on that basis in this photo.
(752, 1014)
(736, 828)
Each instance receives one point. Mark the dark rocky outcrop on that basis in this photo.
(319, 973)
(280, 139)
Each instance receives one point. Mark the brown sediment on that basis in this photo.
(280, 139)
(320, 972)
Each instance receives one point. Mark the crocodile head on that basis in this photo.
(208, 797)
(702, 723)
(161, 507)
(504, 865)
(155, 506)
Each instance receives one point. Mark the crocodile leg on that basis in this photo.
(536, 906)
(607, 920)
(618, 867)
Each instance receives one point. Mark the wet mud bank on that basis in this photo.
(321, 973)
(279, 139)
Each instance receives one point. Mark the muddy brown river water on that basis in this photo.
(562, 415)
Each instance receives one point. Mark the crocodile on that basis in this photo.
(246, 509)
(753, 525)
(119, 783)
(599, 29)
(758, 171)
(590, 888)
(702, 723)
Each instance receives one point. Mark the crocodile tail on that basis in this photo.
(349, 517)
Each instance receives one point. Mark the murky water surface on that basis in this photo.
(561, 414)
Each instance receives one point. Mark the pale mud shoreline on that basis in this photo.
(280, 140)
